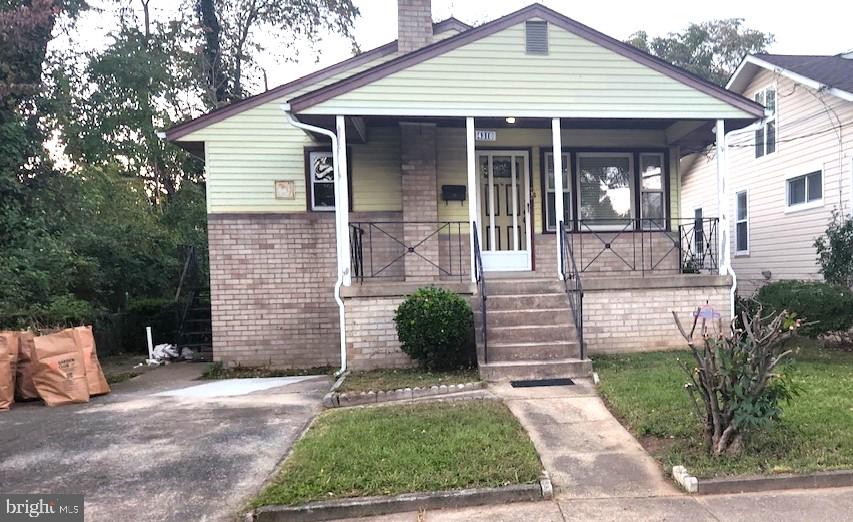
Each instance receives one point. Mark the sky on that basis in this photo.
(801, 30)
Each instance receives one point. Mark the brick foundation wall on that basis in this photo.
(371, 334)
(272, 277)
(640, 319)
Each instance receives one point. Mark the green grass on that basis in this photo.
(377, 380)
(115, 378)
(816, 431)
(397, 449)
(217, 371)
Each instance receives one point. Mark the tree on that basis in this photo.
(710, 49)
(231, 28)
(835, 250)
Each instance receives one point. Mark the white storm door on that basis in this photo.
(503, 180)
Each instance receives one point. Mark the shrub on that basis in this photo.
(835, 250)
(436, 328)
(822, 307)
(734, 382)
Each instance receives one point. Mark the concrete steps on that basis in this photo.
(530, 330)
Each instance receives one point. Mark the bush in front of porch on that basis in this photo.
(435, 327)
(646, 392)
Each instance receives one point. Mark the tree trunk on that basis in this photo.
(217, 83)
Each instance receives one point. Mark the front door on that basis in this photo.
(504, 185)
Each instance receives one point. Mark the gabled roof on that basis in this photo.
(220, 114)
(532, 11)
(833, 74)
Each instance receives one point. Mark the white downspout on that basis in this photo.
(724, 246)
(342, 270)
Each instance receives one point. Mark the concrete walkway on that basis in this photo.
(584, 448)
(161, 447)
(805, 505)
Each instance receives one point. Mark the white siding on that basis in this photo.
(782, 241)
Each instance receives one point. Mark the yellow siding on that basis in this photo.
(376, 183)
(781, 241)
(495, 76)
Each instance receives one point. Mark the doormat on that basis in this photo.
(541, 382)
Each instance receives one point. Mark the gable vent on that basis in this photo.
(536, 35)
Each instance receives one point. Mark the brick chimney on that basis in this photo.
(414, 24)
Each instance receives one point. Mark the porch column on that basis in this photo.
(558, 189)
(420, 200)
(473, 193)
(342, 203)
(723, 257)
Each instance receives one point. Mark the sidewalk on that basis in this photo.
(816, 504)
(584, 448)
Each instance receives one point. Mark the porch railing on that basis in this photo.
(380, 249)
(644, 245)
(572, 282)
(480, 277)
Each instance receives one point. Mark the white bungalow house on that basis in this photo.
(787, 176)
(430, 161)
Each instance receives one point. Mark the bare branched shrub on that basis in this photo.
(735, 384)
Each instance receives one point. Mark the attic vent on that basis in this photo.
(537, 37)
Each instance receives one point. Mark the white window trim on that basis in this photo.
(768, 119)
(740, 253)
(567, 189)
(631, 182)
(311, 181)
(807, 205)
(661, 191)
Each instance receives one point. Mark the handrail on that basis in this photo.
(357, 252)
(572, 284)
(481, 287)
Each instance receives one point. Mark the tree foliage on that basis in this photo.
(711, 49)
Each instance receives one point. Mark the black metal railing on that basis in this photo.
(572, 283)
(480, 277)
(644, 245)
(379, 249)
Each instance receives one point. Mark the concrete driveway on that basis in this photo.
(149, 452)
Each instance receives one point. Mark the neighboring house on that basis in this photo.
(443, 174)
(786, 176)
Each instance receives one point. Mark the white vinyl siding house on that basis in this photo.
(792, 186)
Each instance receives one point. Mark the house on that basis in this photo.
(430, 161)
(787, 174)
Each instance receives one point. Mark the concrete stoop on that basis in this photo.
(530, 331)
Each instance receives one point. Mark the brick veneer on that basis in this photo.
(414, 24)
(371, 334)
(640, 319)
(420, 199)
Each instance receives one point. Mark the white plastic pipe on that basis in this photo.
(150, 343)
(343, 269)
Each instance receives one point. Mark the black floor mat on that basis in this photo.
(541, 382)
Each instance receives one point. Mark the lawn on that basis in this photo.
(377, 380)
(408, 448)
(816, 432)
(217, 371)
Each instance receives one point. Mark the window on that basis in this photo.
(741, 223)
(651, 191)
(805, 189)
(605, 195)
(536, 37)
(765, 137)
(321, 178)
(550, 202)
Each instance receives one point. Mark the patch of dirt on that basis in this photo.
(656, 446)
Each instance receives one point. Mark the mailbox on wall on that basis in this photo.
(453, 193)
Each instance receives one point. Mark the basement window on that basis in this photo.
(536, 37)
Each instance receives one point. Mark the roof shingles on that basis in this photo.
(834, 71)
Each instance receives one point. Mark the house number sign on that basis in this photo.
(485, 135)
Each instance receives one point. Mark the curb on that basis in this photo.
(824, 479)
(334, 399)
(760, 483)
(384, 505)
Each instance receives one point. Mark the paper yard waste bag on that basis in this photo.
(8, 358)
(60, 375)
(94, 375)
(25, 389)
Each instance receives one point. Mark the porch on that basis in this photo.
(470, 204)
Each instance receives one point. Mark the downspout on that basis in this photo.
(722, 199)
(341, 268)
